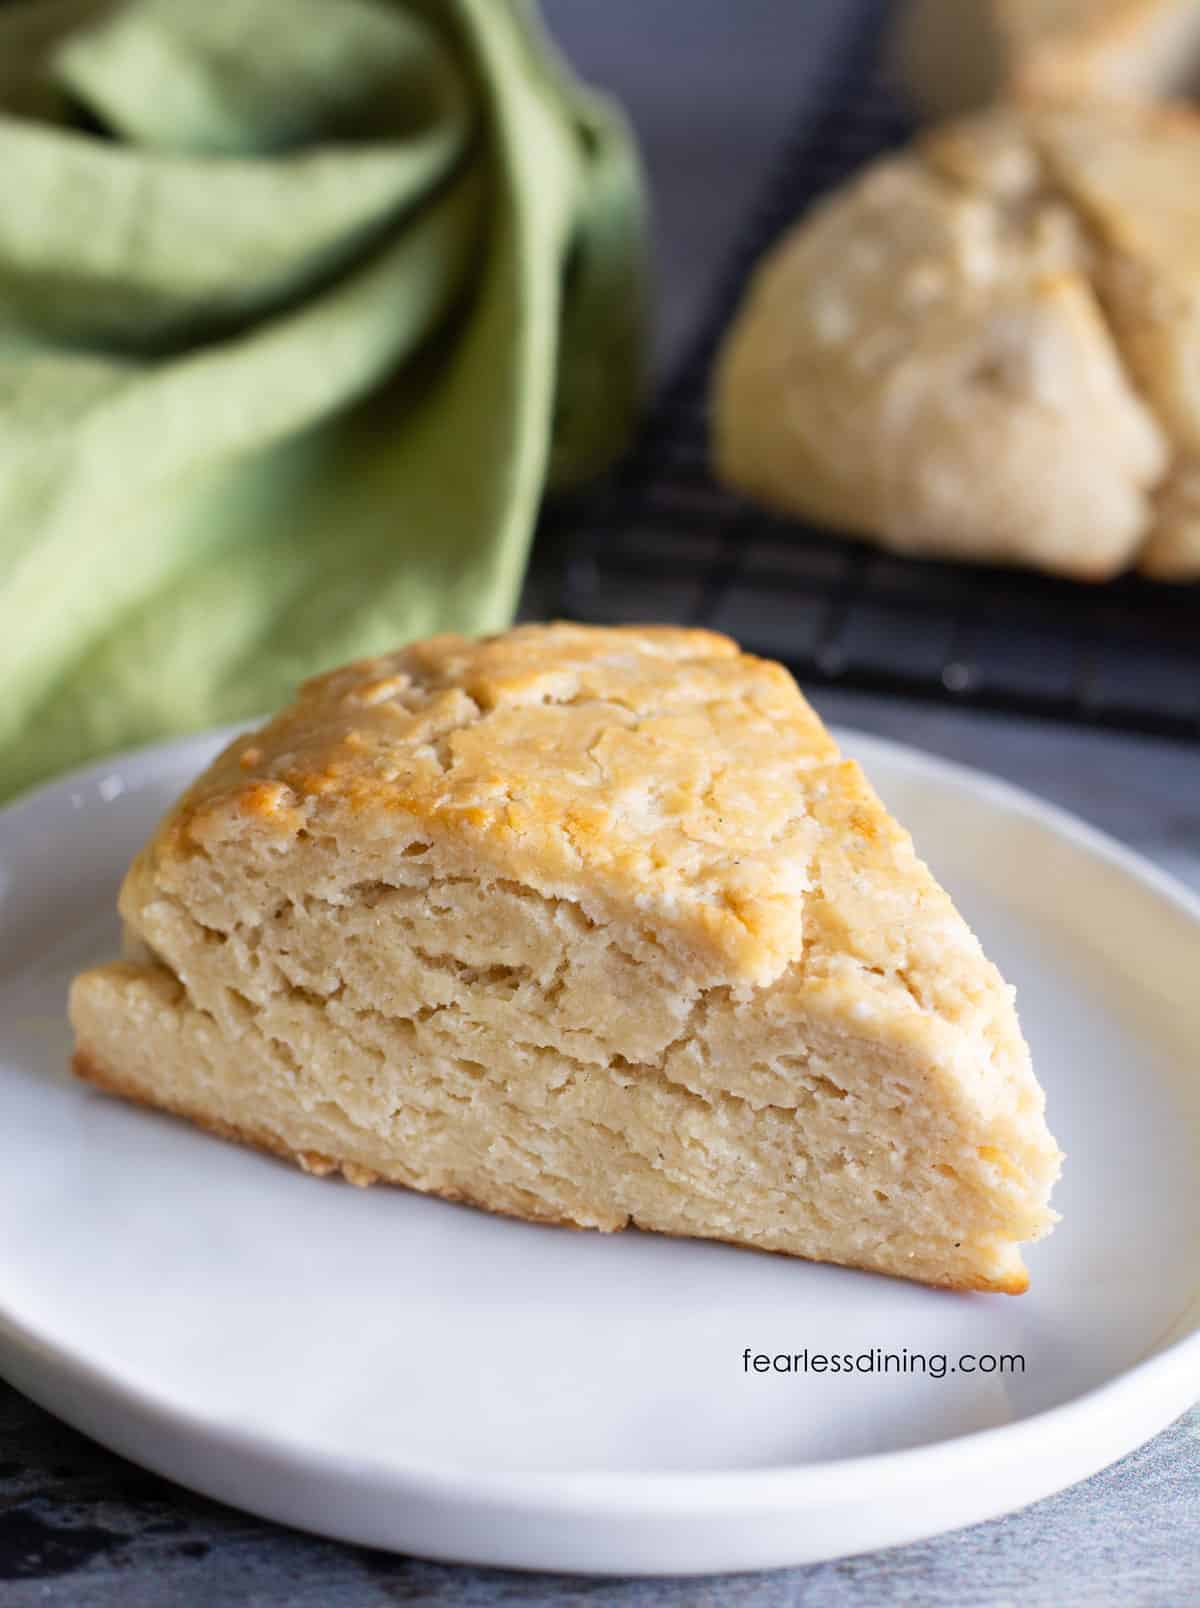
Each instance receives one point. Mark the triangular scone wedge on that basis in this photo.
(592, 926)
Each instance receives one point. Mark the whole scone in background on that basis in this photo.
(987, 347)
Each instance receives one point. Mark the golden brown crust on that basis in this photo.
(589, 763)
(656, 777)
(90, 1069)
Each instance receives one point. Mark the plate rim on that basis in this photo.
(1168, 1376)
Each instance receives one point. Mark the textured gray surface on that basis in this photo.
(80, 1529)
(711, 85)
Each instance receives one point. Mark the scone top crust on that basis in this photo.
(659, 767)
(658, 778)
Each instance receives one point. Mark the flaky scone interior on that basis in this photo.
(593, 926)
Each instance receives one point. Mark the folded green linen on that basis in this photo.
(302, 302)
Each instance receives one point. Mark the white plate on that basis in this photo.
(416, 1375)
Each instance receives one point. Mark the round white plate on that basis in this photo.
(416, 1375)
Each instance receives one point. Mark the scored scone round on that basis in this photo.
(986, 347)
(592, 926)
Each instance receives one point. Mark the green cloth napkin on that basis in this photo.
(302, 303)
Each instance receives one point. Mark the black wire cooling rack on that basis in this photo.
(660, 539)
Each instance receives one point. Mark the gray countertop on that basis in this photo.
(712, 85)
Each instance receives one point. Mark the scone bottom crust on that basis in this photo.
(371, 938)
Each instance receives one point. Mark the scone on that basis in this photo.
(954, 55)
(589, 926)
(1131, 172)
(985, 347)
